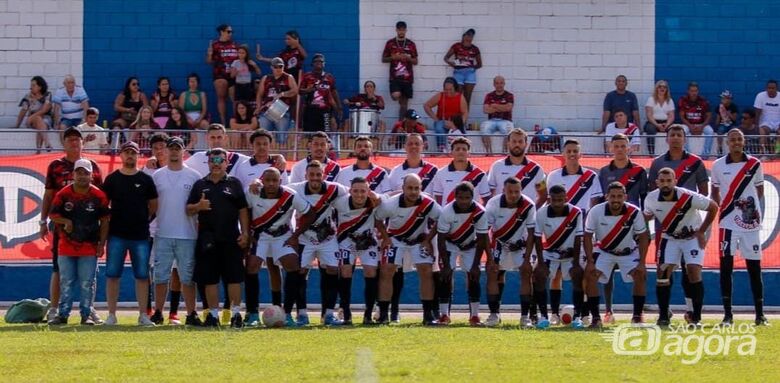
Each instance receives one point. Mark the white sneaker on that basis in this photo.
(51, 314)
(555, 320)
(93, 315)
(111, 320)
(493, 320)
(525, 322)
(143, 320)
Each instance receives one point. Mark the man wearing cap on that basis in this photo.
(277, 85)
(176, 231)
(465, 58)
(321, 98)
(498, 106)
(767, 106)
(133, 199)
(401, 53)
(410, 123)
(58, 175)
(725, 119)
(80, 214)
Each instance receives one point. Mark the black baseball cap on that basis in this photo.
(470, 31)
(400, 25)
(72, 131)
(175, 141)
(412, 114)
(130, 145)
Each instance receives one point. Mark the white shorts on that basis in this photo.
(466, 257)
(747, 242)
(396, 253)
(671, 251)
(274, 248)
(771, 125)
(348, 254)
(507, 260)
(626, 263)
(327, 253)
(555, 263)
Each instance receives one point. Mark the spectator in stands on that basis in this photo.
(545, 140)
(465, 58)
(241, 72)
(659, 111)
(498, 106)
(621, 125)
(767, 107)
(95, 136)
(409, 124)
(367, 100)
(293, 55)
(195, 106)
(70, 103)
(35, 112)
(144, 121)
(178, 123)
(163, 101)
(128, 103)
(220, 55)
(401, 53)
(277, 85)
(753, 134)
(696, 115)
(243, 121)
(725, 118)
(320, 99)
(620, 99)
(449, 103)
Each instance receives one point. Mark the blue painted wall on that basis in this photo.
(151, 38)
(721, 44)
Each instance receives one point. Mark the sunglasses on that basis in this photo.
(229, 31)
(216, 160)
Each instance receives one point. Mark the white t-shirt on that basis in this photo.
(631, 130)
(738, 212)
(250, 170)
(686, 205)
(298, 171)
(660, 111)
(770, 109)
(100, 139)
(173, 189)
(601, 224)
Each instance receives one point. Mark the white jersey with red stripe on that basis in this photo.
(408, 222)
(270, 214)
(251, 169)
(529, 172)
(740, 209)
(580, 186)
(684, 209)
(426, 171)
(330, 171)
(377, 177)
(353, 220)
(615, 233)
(511, 224)
(462, 226)
(321, 202)
(447, 178)
(558, 230)
(199, 161)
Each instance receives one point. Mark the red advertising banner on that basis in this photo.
(22, 186)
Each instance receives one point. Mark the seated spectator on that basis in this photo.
(449, 103)
(35, 112)
(193, 102)
(95, 136)
(457, 130)
(621, 125)
(752, 133)
(767, 107)
(163, 101)
(367, 100)
(546, 140)
(659, 111)
(410, 124)
(498, 106)
(725, 118)
(620, 99)
(178, 124)
(241, 71)
(70, 103)
(244, 122)
(128, 103)
(144, 121)
(696, 115)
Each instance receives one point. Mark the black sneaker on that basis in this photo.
(193, 320)
(211, 321)
(87, 321)
(663, 322)
(58, 321)
(157, 318)
(236, 321)
(728, 320)
(762, 321)
(430, 322)
(368, 321)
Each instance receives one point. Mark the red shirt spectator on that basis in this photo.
(694, 111)
(85, 211)
(362, 101)
(401, 70)
(223, 53)
(324, 84)
(503, 98)
(60, 174)
(465, 57)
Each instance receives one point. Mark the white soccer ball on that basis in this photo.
(567, 314)
(273, 316)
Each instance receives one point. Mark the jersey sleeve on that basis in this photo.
(481, 226)
(758, 178)
(483, 189)
(530, 222)
(639, 225)
(578, 222)
(435, 212)
(539, 224)
(296, 174)
(438, 184)
(636, 138)
(715, 174)
(444, 224)
(591, 221)
(700, 202)
(649, 206)
(595, 189)
(492, 182)
(56, 206)
(758, 101)
(300, 204)
(384, 186)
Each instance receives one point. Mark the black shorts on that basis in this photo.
(402, 86)
(224, 261)
(245, 92)
(316, 119)
(224, 76)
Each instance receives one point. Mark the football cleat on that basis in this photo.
(193, 319)
(762, 321)
(728, 320)
(111, 320)
(332, 320)
(144, 321)
(543, 323)
(475, 322)
(596, 324)
(211, 321)
(157, 317)
(577, 324)
(252, 320)
(662, 322)
(555, 320)
(289, 321)
(302, 320)
(58, 320)
(173, 319)
(444, 320)
(637, 319)
(493, 320)
(236, 321)
(526, 322)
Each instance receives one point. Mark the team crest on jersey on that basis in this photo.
(90, 206)
(68, 206)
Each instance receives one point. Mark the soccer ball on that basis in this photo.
(567, 314)
(273, 317)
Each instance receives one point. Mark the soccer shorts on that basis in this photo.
(466, 257)
(417, 253)
(507, 260)
(606, 262)
(747, 242)
(672, 251)
(348, 254)
(555, 263)
(325, 252)
(274, 248)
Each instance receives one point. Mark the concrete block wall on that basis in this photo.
(559, 58)
(37, 37)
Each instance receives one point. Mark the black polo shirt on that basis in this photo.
(227, 199)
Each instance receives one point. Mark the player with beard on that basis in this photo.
(376, 176)
(319, 145)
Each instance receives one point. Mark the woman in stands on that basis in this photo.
(35, 112)
(220, 55)
(163, 101)
(241, 72)
(293, 54)
(449, 103)
(367, 100)
(659, 110)
(178, 123)
(128, 103)
(243, 121)
(144, 121)
(465, 58)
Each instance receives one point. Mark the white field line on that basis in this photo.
(364, 366)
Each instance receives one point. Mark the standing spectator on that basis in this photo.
(220, 55)
(401, 53)
(752, 132)
(292, 55)
(466, 58)
(241, 72)
(70, 103)
(449, 104)
(767, 106)
(195, 106)
(498, 106)
(133, 199)
(35, 112)
(95, 137)
(80, 213)
(321, 104)
(274, 86)
(244, 122)
(620, 99)
(659, 111)
(696, 115)
(410, 124)
(59, 174)
(725, 118)
(163, 101)
(218, 200)
(128, 103)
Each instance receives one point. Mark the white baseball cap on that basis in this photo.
(83, 164)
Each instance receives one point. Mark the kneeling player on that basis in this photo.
(463, 229)
(622, 236)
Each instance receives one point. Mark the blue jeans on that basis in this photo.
(77, 274)
(117, 250)
(441, 134)
(709, 136)
(282, 125)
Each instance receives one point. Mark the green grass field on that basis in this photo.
(397, 353)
